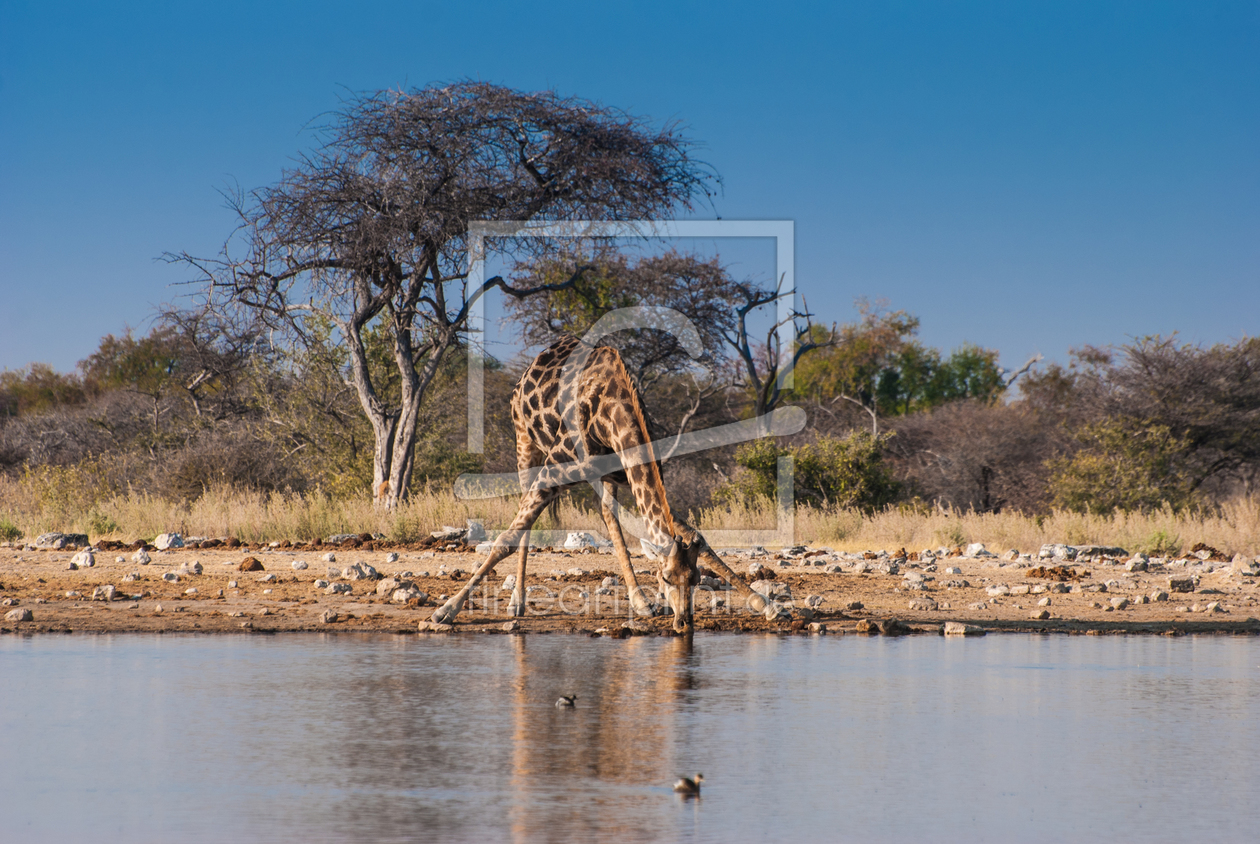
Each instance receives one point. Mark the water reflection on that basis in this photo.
(340, 738)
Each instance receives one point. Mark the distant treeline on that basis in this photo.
(200, 403)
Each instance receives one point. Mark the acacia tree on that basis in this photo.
(368, 231)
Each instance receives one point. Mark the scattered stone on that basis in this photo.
(435, 627)
(171, 577)
(250, 564)
(957, 628)
(1044, 602)
(84, 559)
(923, 604)
(1214, 606)
(1181, 584)
(166, 541)
(299, 565)
(582, 539)
(1141, 599)
(339, 589)
(511, 626)
(120, 559)
(817, 628)
(978, 606)
(610, 582)
(866, 626)
(267, 578)
(73, 594)
(998, 590)
(509, 583)
(22, 614)
(1120, 603)
(953, 570)
(191, 568)
(191, 591)
(405, 594)
(265, 611)
(330, 557)
(142, 557)
(977, 549)
(360, 571)
(1020, 589)
(578, 572)
(1159, 595)
(231, 584)
(955, 584)
(1057, 551)
(853, 606)
(772, 589)
(892, 627)
(57, 541)
(236, 614)
(329, 617)
(387, 586)
(1135, 565)
(833, 569)
(1039, 615)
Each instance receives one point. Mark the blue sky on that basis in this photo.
(1025, 176)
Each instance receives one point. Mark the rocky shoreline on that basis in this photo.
(364, 584)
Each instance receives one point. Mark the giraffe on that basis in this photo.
(574, 406)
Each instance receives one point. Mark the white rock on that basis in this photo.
(104, 593)
(191, 591)
(391, 557)
(998, 590)
(406, 593)
(976, 549)
(20, 614)
(957, 628)
(84, 559)
(1044, 602)
(924, 604)
(168, 540)
(387, 585)
(582, 539)
(299, 565)
(1120, 603)
(330, 557)
(953, 570)
(321, 584)
(171, 577)
(476, 532)
(610, 582)
(509, 583)
(120, 559)
(577, 572)
(73, 594)
(142, 557)
(339, 589)
(191, 568)
(267, 578)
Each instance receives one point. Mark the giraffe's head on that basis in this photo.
(678, 576)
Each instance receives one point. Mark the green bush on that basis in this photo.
(831, 472)
(9, 532)
(1123, 465)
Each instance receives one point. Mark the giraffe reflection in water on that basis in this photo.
(620, 738)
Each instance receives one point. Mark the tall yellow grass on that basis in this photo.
(32, 506)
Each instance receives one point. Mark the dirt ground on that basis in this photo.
(280, 598)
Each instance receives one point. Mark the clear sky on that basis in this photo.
(1026, 176)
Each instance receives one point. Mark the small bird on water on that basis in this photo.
(689, 786)
(566, 701)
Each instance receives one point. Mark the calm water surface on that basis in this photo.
(310, 738)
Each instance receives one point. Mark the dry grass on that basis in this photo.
(35, 505)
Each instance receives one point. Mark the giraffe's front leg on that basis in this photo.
(516, 608)
(639, 603)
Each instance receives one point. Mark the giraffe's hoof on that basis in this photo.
(444, 614)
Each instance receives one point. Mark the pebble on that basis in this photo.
(978, 605)
(339, 589)
(142, 557)
(1215, 606)
(818, 628)
(998, 590)
(299, 565)
(330, 557)
(1159, 595)
(73, 594)
(268, 591)
(319, 584)
(192, 591)
(957, 628)
(21, 614)
(1120, 603)
(923, 604)
(853, 606)
(1044, 602)
(1040, 615)
(120, 559)
(511, 626)
(171, 577)
(391, 557)
(328, 617)
(267, 578)
(231, 584)
(953, 570)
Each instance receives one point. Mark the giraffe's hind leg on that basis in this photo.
(532, 504)
(638, 603)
